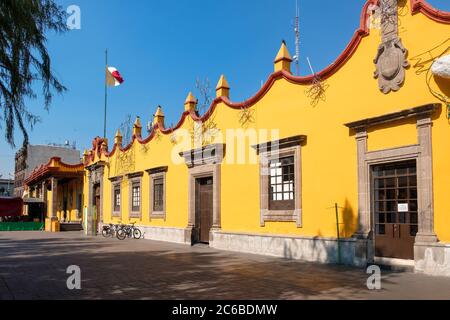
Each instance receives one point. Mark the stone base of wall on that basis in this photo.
(325, 250)
(176, 235)
(432, 258)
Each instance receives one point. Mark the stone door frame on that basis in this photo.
(95, 176)
(205, 171)
(420, 152)
(202, 163)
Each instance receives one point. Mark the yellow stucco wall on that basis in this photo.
(329, 159)
(142, 159)
(70, 191)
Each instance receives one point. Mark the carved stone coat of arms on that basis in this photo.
(391, 60)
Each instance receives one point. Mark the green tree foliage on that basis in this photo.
(24, 60)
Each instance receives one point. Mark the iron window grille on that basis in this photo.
(158, 194)
(136, 197)
(281, 184)
(117, 198)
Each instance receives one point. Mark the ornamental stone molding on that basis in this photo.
(391, 60)
(210, 154)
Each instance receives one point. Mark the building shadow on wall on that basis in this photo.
(347, 226)
(322, 248)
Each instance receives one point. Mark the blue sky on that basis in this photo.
(161, 47)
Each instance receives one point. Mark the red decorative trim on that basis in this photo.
(96, 149)
(46, 169)
(434, 14)
(363, 31)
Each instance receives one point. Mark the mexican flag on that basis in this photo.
(113, 77)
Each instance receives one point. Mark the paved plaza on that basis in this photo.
(33, 266)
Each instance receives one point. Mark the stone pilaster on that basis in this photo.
(425, 182)
(216, 201)
(363, 209)
(54, 204)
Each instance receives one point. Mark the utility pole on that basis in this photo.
(338, 235)
(336, 209)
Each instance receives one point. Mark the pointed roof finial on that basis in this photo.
(137, 127)
(158, 118)
(190, 98)
(283, 53)
(223, 83)
(137, 123)
(283, 59)
(159, 112)
(222, 88)
(190, 103)
(118, 138)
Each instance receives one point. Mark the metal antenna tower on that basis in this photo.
(297, 37)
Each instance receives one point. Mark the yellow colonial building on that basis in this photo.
(56, 189)
(368, 136)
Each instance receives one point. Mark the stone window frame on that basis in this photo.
(157, 173)
(116, 181)
(133, 179)
(421, 152)
(274, 150)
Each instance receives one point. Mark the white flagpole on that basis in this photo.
(106, 92)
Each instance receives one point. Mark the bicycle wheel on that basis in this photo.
(137, 233)
(121, 234)
(106, 232)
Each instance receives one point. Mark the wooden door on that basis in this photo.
(204, 212)
(394, 190)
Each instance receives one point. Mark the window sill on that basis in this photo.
(116, 214)
(135, 215)
(281, 216)
(158, 215)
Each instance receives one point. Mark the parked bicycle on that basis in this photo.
(129, 231)
(111, 230)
